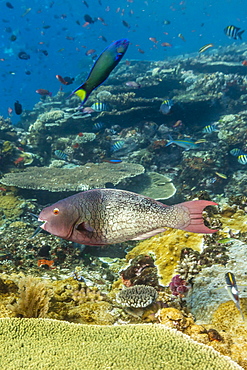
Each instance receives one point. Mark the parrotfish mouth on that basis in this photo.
(40, 227)
(42, 223)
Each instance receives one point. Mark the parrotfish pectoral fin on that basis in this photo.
(149, 234)
(84, 226)
(195, 208)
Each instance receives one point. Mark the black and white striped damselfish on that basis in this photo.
(210, 128)
(61, 155)
(107, 216)
(234, 32)
(103, 66)
(236, 152)
(242, 158)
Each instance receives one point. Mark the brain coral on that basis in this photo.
(50, 344)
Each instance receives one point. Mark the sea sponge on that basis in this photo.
(50, 344)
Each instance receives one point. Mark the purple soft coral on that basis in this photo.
(178, 286)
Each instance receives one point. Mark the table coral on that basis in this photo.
(73, 346)
(73, 179)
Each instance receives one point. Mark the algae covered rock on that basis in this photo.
(50, 344)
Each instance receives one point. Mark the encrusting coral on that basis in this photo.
(50, 344)
(228, 319)
(166, 248)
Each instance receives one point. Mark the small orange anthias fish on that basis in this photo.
(153, 39)
(177, 124)
(61, 79)
(244, 63)
(45, 263)
(18, 160)
(108, 216)
(43, 92)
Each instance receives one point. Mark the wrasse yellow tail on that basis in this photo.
(82, 94)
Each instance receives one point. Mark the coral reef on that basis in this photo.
(97, 347)
(125, 145)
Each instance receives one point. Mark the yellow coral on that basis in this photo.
(234, 220)
(49, 344)
(228, 319)
(33, 298)
(167, 249)
(10, 205)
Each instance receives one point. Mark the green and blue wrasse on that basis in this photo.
(103, 66)
(186, 144)
(232, 290)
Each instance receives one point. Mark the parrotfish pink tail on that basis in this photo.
(196, 223)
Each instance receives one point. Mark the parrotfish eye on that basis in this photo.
(56, 211)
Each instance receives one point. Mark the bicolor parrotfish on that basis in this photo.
(107, 216)
(232, 289)
(103, 66)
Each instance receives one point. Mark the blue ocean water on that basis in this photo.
(54, 34)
